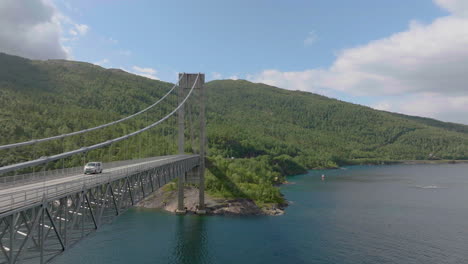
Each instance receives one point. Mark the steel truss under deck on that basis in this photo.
(39, 232)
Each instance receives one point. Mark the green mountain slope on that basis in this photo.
(246, 118)
(270, 132)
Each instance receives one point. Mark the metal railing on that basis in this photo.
(18, 199)
(39, 176)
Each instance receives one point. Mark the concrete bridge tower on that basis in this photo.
(187, 80)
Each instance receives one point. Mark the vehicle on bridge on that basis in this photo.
(93, 167)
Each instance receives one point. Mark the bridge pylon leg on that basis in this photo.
(197, 80)
(180, 195)
(201, 168)
(181, 118)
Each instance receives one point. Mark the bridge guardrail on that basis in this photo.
(22, 198)
(10, 181)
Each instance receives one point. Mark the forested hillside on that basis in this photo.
(250, 119)
(257, 133)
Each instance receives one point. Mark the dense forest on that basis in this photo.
(257, 134)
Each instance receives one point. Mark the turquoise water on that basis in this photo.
(362, 214)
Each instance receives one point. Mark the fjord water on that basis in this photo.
(361, 214)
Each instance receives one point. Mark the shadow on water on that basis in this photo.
(191, 241)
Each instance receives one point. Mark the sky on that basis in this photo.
(402, 56)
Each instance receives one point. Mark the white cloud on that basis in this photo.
(31, 29)
(81, 29)
(70, 8)
(219, 76)
(145, 72)
(456, 7)
(424, 59)
(216, 76)
(433, 104)
(384, 106)
(102, 62)
(307, 80)
(36, 29)
(447, 108)
(310, 39)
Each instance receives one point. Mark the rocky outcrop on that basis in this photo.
(166, 199)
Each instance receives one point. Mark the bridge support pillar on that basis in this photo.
(201, 169)
(181, 118)
(180, 195)
(187, 80)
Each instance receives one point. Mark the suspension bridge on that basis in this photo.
(46, 207)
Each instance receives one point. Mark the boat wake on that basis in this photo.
(428, 187)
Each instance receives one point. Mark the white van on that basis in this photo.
(93, 167)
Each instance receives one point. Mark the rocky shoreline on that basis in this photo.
(166, 199)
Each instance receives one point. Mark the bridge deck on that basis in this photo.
(23, 194)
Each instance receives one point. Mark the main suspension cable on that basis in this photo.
(34, 141)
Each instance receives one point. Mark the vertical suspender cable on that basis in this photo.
(33, 141)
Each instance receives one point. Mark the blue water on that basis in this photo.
(362, 214)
